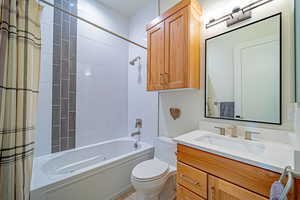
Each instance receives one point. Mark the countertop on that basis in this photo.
(274, 156)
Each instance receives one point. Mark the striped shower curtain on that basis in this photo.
(20, 49)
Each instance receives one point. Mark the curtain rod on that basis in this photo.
(91, 23)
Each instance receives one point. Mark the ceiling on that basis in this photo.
(125, 7)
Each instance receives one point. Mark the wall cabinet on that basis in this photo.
(174, 48)
(202, 175)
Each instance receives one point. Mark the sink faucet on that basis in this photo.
(138, 125)
(233, 131)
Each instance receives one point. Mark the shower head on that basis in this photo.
(134, 60)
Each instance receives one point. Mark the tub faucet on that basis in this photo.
(138, 125)
(136, 133)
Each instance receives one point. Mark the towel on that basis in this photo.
(276, 190)
(227, 109)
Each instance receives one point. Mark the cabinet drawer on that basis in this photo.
(185, 194)
(193, 179)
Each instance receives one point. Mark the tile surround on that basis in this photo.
(64, 77)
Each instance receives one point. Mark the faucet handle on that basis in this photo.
(233, 131)
(222, 130)
(138, 123)
(248, 134)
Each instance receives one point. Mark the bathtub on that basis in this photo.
(96, 172)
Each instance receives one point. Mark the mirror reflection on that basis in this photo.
(243, 73)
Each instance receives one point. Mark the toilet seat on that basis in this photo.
(150, 170)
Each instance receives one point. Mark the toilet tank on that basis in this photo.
(165, 149)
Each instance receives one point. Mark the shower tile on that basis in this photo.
(64, 89)
(64, 108)
(73, 29)
(66, 17)
(55, 148)
(73, 66)
(64, 128)
(72, 105)
(64, 77)
(55, 116)
(56, 74)
(73, 21)
(55, 135)
(72, 83)
(66, 4)
(65, 50)
(72, 141)
(56, 95)
(58, 3)
(65, 70)
(64, 144)
(73, 46)
(57, 34)
(73, 9)
(72, 121)
(57, 16)
(56, 54)
(66, 31)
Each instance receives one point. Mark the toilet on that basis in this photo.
(149, 178)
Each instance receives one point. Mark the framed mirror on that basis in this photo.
(243, 73)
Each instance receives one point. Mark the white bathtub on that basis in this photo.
(95, 172)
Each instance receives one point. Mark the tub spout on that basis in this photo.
(135, 133)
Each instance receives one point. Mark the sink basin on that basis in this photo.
(233, 144)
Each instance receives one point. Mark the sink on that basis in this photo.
(233, 144)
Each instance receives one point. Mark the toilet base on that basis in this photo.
(142, 196)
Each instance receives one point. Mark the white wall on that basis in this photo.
(141, 104)
(217, 9)
(44, 115)
(102, 65)
(188, 101)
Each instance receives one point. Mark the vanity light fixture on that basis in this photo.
(238, 14)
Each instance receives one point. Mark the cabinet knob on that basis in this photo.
(166, 78)
(162, 79)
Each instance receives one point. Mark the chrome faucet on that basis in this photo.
(138, 125)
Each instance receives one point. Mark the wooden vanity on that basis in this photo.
(202, 175)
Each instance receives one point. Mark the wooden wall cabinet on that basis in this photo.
(174, 48)
(202, 175)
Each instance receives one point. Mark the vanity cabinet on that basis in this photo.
(203, 175)
(174, 48)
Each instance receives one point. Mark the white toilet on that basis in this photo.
(149, 178)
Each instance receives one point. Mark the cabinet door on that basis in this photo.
(156, 58)
(222, 190)
(176, 51)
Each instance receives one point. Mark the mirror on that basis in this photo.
(243, 73)
(297, 34)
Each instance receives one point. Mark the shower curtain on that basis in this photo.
(20, 50)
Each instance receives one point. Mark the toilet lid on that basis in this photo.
(150, 170)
